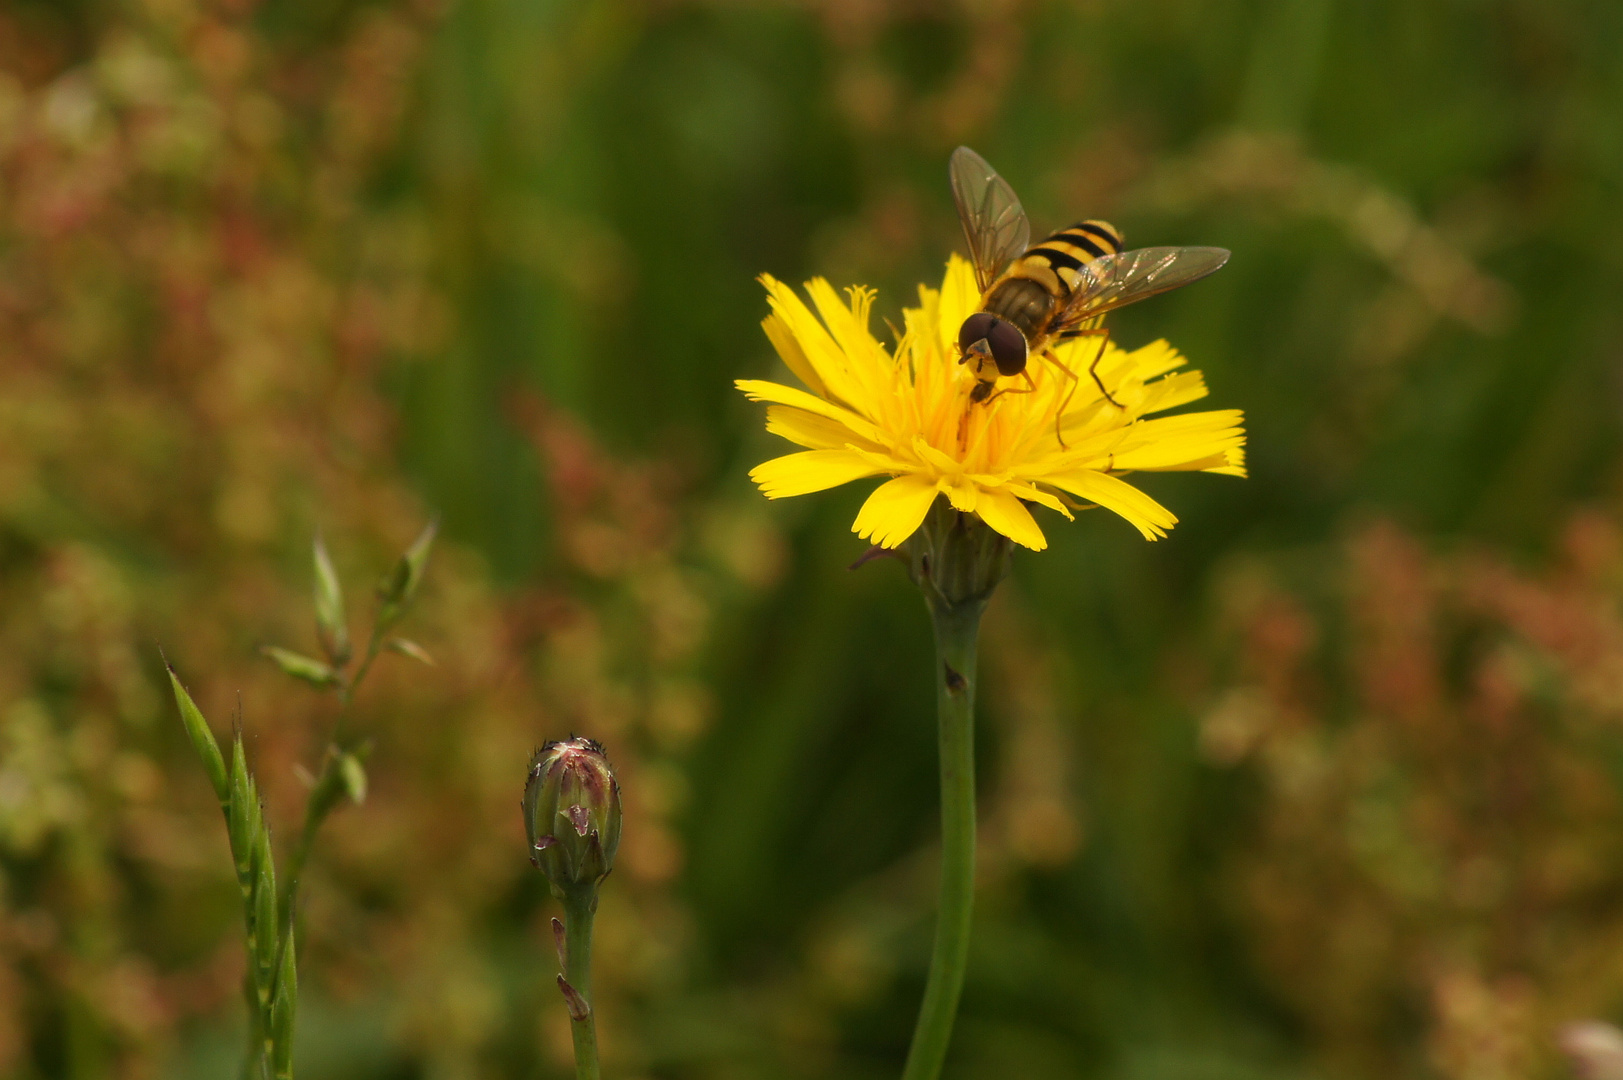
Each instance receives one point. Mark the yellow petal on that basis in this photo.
(960, 297)
(1032, 493)
(809, 471)
(961, 492)
(1009, 516)
(810, 430)
(1172, 391)
(777, 393)
(865, 361)
(1233, 465)
(1146, 515)
(1210, 463)
(1179, 442)
(1155, 358)
(820, 349)
(895, 510)
(788, 346)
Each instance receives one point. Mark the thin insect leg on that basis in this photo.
(1059, 414)
(1031, 388)
(1052, 359)
(1102, 332)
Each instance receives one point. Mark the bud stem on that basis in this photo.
(579, 908)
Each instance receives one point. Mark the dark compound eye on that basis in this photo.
(1008, 347)
(974, 329)
(1003, 339)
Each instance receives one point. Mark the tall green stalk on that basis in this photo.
(577, 977)
(955, 636)
(957, 562)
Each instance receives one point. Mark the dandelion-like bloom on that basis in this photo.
(905, 413)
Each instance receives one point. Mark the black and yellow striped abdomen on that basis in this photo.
(1068, 250)
(1036, 285)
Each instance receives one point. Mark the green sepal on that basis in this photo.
(202, 738)
(398, 587)
(299, 666)
(331, 625)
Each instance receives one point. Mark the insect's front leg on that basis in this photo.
(1031, 388)
(1103, 333)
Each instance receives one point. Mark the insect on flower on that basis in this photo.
(916, 412)
(1033, 298)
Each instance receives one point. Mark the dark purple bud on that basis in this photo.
(572, 814)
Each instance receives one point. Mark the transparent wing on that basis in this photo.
(1118, 280)
(994, 224)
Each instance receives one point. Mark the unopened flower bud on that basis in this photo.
(572, 814)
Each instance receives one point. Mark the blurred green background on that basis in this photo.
(1324, 784)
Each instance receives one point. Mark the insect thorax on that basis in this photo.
(1023, 302)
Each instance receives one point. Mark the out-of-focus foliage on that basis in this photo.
(1440, 845)
(1259, 800)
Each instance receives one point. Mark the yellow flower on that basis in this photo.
(905, 413)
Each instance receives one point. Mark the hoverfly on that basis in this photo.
(1034, 297)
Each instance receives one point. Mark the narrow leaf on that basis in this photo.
(353, 774)
(300, 666)
(284, 1009)
(331, 625)
(265, 922)
(400, 584)
(560, 942)
(202, 739)
(239, 814)
(413, 650)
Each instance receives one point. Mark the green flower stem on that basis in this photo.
(957, 561)
(579, 910)
(347, 688)
(956, 630)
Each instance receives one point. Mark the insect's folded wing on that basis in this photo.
(995, 225)
(1118, 280)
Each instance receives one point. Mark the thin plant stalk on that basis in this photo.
(956, 630)
(324, 792)
(578, 917)
(957, 561)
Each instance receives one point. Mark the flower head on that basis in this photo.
(572, 813)
(906, 413)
